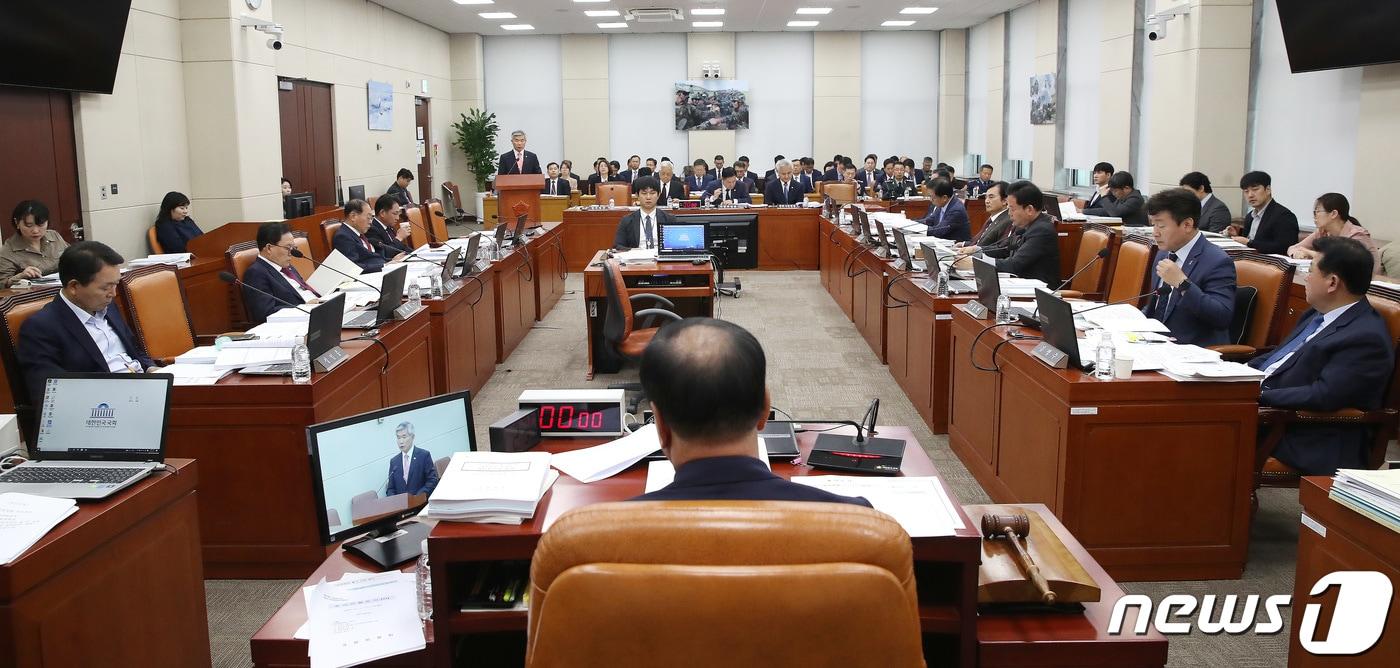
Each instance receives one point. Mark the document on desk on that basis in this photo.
(1069, 212)
(494, 487)
(606, 460)
(1020, 287)
(636, 256)
(356, 621)
(275, 329)
(326, 278)
(177, 259)
(1217, 371)
(198, 355)
(26, 518)
(919, 504)
(237, 358)
(196, 374)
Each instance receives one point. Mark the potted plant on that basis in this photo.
(476, 137)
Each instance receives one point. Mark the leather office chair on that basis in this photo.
(437, 221)
(332, 518)
(153, 242)
(1093, 282)
(452, 195)
(1261, 300)
(239, 257)
(686, 583)
(328, 229)
(304, 265)
(621, 329)
(15, 310)
(417, 229)
(619, 193)
(371, 200)
(160, 318)
(441, 465)
(843, 193)
(1132, 269)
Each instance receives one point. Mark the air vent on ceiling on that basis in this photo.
(655, 15)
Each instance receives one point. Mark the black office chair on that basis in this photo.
(621, 331)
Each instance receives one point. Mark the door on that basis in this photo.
(38, 125)
(423, 115)
(308, 138)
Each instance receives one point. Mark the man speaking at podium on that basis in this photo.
(518, 160)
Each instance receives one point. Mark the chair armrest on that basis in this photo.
(652, 312)
(164, 361)
(1235, 352)
(647, 295)
(1071, 294)
(1270, 416)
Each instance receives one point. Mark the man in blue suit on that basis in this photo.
(871, 178)
(422, 476)
(948, 219)
(1340, 355)
(706, 382)
(272, 273)
(1201, 303)
(700, 177)
(80, 330)
(351, 241)
(784, 190)
(728, 189)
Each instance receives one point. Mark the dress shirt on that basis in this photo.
(553, 186)
(16, 256)
(1327, 319)
(1206, 199)
(113, 352)
(305, 295)
(646, 219)
(1257, 218)
(520, 161)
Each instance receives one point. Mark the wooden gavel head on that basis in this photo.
(996, 526)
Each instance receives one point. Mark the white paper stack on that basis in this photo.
(919, 504)
(25, 518)
(1117, 318)
(609, 459)
(237, 358)
(636, 256)
(491, 487)
(1218, 371)
(1069, 212)
(196, 374)
(358, 620)
(177, 259)
(198, 355)
(1020, 287)
(1375, 494)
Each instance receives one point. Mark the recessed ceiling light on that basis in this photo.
(473, 2)
(517, 26)
(711, 11)
(814, 10)
(897, 24)
(918, 10)
(802, 24)
(600, 13)
(496, 15)
(606, 26)
(707, 24)
(584, 1)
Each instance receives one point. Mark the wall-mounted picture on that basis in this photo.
(381, 105)
(712, 104)
(1043, 99)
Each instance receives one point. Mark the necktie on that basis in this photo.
(519, 163)
(785, 198)
(1295, 343)
(407, 460)
(938, 215)
(726, 195)
(291, 273)
(1160, 313)
(646, 229)
(553, 186)
(365, 243)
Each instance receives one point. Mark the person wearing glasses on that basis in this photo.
(272, 273)
(34, 249)
(1332, 216)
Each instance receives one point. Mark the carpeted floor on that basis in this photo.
(818, 367)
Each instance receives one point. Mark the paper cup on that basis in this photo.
(1122, 368)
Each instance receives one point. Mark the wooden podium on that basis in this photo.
(517, 194)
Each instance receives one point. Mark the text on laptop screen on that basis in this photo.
(108, 415)
(683, 238)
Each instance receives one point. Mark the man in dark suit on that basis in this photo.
(998, 227)
(555, 184)
(1269, 227)
(272, 274)
(518, 160)
(1033, 249)
(784, 190)
(667, 185)
(773, 173)
(948, 219)
(80, 330)
(834, 172)
(1201, 303)
(350, 239)
(700, 176)
(1340, 355)
(642, 228)
(1102, 173)
(1215, 216)
(385, 232)
(412, 471)
(983, 182)
(741, 172)
(1126, 204)
(706, 380)
(871, 178)
(398, 190)
(633, 170)
(728, 189)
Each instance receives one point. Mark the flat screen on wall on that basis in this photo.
(712, 104)
(1339, 33)
(62, 44)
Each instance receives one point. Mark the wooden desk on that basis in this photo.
(696, 297)
(1353, 542)
(119, 583)
(787, 237)
(463, 333)
(918, 348)
(1032, 434)
(856, 278)
(1033, 640)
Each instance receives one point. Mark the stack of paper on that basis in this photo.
(919, 504)
(1116, 318)
(1375, 494)
(25, 518)
(661, 472)
(237, 358)
(609, 459)
(178, 259)
(362, 619)
(1218, 371)
(491, 487)
(1020, 287)
(198, 355)
(636, 256)
(1069, 212)
(196, 374)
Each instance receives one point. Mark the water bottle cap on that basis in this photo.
(424, 546)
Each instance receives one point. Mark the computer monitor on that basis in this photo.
(357, 471)
(299, 205)
(391, 293)
(357, 192)
(449, 265)
(1057, 325)
(881, 241)
(988, 282)
(682, 240)
(104, 416)
(323, 326)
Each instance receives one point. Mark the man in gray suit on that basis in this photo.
(1127, 205)
(1215, 216)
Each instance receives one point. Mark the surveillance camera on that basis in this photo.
(1156, 28)
(274, 44)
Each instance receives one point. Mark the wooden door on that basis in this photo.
(36, 129)
(423, 114)
(308, 138)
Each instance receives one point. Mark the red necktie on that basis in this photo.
(365, 242)
(291, 273)
(520, 163)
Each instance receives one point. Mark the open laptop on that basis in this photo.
(517, 233)
(956, 283)
(882, 242)
(989, 289)
(906, 260)
(682, 243)
(98, 433)
(390, 297)
(322, 340)
(1057, 327)
(449, 266)
(468, 257)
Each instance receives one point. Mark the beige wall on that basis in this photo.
(702, 47)
(996, 90)
(835, 94)
(585, 72)
(1045, 138)
(468, 92)
(1378, 130)
(1116, 53)
(952, 96)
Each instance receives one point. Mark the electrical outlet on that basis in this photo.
(103, 192)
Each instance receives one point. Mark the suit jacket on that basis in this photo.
(739, 194)
(629, 229)
(506, 164)
(53, 341)
(562, 189)
(995, 231)
(1215, 216)
(773, 192)
(953, 224)
(404, 197)
(1278, 230)
(697, 184)
(892, 189)
(672, 190)
(422, 474)
(739, 478)
(1031, 253)
(864, 180)
(918, 176)
(1347, 365)
(347, 241)
(1200, 314)
(383, 240)
(1132, 208)
(261, 276)
(830, 175)
(979, 185)
(628, 175)
(174, 235)
(1095, 200)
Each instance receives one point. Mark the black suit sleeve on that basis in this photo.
(259, 305)
(623, 238)
(40, 355)
(1037, 243)
(1280, 232)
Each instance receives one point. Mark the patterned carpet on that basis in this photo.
(818, 367)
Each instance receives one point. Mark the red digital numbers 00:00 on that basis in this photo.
(567, 417)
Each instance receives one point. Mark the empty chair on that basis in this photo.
(16, 309)
(359, 505)
(160, 318)
(619, 193)
(843, 193)
(1093, 281)
(1132, 269)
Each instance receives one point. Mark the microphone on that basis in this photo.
(1161, 291)
(228, 277)
(298, 254)
(1103, 253)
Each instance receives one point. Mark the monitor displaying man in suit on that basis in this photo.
(386, 233)
(1101, 174)
(1269, 227)
(706, 380)
(641, 228)
(668, 186)
(947, 218)
(412, 471)
(1340, 355)
(1126, 204)
(1033, 249)
(1201, 303)
(351, 241)
(1215, 215)
(727, 190)
(783, 190)
(272, 275)
(556, 184)
(80, 330)
(518, 160)
(399, 188)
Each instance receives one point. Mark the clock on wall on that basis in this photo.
(253, 4)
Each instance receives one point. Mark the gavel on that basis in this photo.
(1014, 528)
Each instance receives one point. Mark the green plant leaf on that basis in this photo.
(476, 138)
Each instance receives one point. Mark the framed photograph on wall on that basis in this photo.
(712, 104)
(381, 105)
(1043, 99)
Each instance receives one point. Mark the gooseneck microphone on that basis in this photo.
(298, 254)
(228, 277)
(1103, 253)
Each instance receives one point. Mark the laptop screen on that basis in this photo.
(114, 417)
(988, 282)
(391, 292)
(683, 238)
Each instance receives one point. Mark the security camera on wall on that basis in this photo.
(1156, 24)
(264, 26)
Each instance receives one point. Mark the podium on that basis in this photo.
(517, 194)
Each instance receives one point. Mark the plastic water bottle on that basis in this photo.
(425, 584)
(415, 296)
(943, 284)
(1103, 357)
(301, 363)
(436, 286)
(1003, 309)
(612, 203)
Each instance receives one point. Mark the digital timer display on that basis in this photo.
(579, 418)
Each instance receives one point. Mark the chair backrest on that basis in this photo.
(1095, 238)
(329, 228)
(239, 257)
(1387, 304)
(417, 233)
(304, 265)
(1270, 277)
(437, 224)
(16, 309)
(1246, 297)
(371, 200)
(700, 576)
(620, 193)
(843, 193)
(1132, 272)
(159, 316)
(618, 323)
(153, 241)
(453, 195)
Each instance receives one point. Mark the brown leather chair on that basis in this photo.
(1093, 281)
(620, 328)
(357, 504)
(239, 257)
(843, 193)
(304, 265)
(371, 200)
(1261, 301)
(1132, 269)
(417, 231)
(620, 193)
(329, 228)
(437, 221)
(160, 318)
(687, 583)
(452, 195)
(15, 310)
(153, 242)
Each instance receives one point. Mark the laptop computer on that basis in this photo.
(956, 283)
(322, 340)
(468, 257)
(98, 434)
(517, 233)
(882, 242)
(390, 297)
(779, 439)
(449, 266)
(989, 290)
(906, 260)
(1057, 327)
(682, 243)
